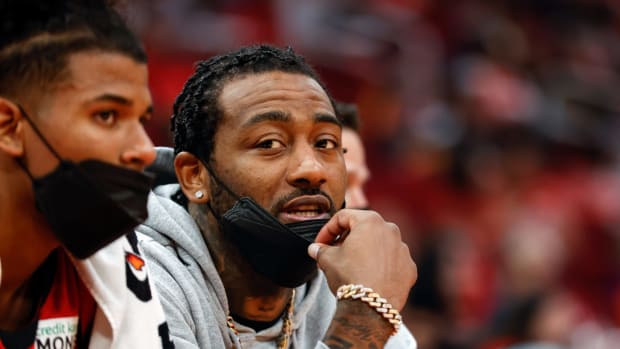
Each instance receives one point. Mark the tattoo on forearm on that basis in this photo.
(356, 325)
(335, 342)
(358, 329)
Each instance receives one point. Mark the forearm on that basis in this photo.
(356, 325)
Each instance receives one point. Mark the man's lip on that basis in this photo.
(305, 203)
(287, 218)
(301, 202)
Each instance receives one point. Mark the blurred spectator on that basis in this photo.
(355, 156)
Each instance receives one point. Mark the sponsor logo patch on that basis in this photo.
(57, 333)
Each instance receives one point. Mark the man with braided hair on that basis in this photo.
(73, 99)
(234, 247)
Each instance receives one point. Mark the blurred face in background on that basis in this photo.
(357, 170)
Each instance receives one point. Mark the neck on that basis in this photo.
(18, 266)
(250, 295)
(254, 304)
(26, 243)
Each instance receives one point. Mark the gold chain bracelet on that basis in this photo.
(372, 298)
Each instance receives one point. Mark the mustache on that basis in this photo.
(302, 192)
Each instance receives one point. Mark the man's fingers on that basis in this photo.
(340, 224)
(315, 249)
(331, 230)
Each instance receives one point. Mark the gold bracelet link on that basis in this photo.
(374, 300)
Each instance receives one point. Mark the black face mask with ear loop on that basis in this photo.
(277, 251)
(90, 203)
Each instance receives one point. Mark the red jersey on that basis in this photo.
(66, 316)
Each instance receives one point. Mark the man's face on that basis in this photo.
(97, 112)
(279, 143)
(357, 170)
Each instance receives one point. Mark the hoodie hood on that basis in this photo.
(170, 225)
(186, 256)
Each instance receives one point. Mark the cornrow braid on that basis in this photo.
(196, 112)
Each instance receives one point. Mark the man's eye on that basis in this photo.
(271, 144)
(108, 117)
(327, 144)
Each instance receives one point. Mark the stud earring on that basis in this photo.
(199, 194)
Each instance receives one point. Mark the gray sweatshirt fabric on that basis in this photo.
(193, 295)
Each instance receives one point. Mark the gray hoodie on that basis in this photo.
(194, 298)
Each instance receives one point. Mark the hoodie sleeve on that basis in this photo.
(173, 299)
(403, 339)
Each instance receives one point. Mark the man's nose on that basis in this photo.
(140, 153)
(306, 169)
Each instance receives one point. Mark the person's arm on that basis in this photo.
(370, 252)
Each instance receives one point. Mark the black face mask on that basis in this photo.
(91, 203)
(275, 250)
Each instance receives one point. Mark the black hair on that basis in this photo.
(347, 113)
(37, 37)
(197, 113)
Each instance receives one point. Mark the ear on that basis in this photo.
(193, 177)
(11, 129)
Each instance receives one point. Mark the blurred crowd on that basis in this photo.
(492, 131)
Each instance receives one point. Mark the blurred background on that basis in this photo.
(492, 131)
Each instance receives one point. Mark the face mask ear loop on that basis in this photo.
(218, 218)
(36, 130)
(221, 184)
(21, 164)
(219, 181)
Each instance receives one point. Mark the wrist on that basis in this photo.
(373, 300)
(356, 325)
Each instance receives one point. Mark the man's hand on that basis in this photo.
(360, 247)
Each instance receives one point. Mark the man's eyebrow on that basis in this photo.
(327, 118)
(267, 116)
(284, 117)
(107, 97)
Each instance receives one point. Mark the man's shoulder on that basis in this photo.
(158, 250)
(118, 278)
(168, 222)
(171, 267)
(112, 266)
